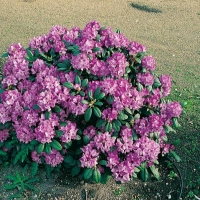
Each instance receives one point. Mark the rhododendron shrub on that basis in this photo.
(88, 100)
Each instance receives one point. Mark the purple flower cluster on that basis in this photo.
(90, 93)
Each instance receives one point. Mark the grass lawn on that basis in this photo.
(170, 31)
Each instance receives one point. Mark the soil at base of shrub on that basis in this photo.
(62, 186)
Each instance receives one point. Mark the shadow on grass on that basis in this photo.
(145, 8)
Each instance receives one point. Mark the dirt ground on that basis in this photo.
(171, 36)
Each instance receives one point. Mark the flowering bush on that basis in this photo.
(88, 100)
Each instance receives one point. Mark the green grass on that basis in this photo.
(145, 8)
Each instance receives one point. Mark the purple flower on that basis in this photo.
(166, 82)
(90, 131)
(109, 86)
(75, 105)
(9, 97)
(86, 45)
(141, 126)
(149, 63)
(38, 66)
(123, 171)
(40, 43)
(124, 144)
(146, 150)
(46, 100)
(137, 99)
(117, 64)
(80, 61)
(155, 122)
(4, 113)
(109, 114)
(135, 48)
(4, 134)
(104, 142)
(145, 79)
(69, 132)
(154, 98)
(71, 35)
(169, 110)
(9, 80)
(54, 158)
(30, 117)
(98, 68)
(113, 159)
(44, 132)
(36, 157)
(24, 133)
(90, 155)
(91, 30)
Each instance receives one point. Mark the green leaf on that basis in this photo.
(96, 175)
(100, 123)
(117, 122)
(68, 85)
(5, 55)
(98, 37)
(155, 172)
(36, 107)
(90, 94)
(97, 92)
(108, 127)
(103, 162)
(175, 123)
(29, 53)
(173, 153)
(87, 173)
(78, 137)
(77, 79)
(36, 53)
(1, 91)
(115, 127)
(47, 114)
(88, 114)
(101, 96)
(84, 102)
(139, 87)
(34, 168)
(169, 129)
(67, 145)
(138, 60)
(98, 103)
(86, 139)
(75, 170)
(118, 31)
(57, 109)
(97, 111)
(78, 152)
(68, 159)
(82, 93)
(62, 69)
(40, 148)
(96, 49)
(59, 133)
(122, 116)
(144, 174)
(128, 110)
(62, 123)
(105, 177)
(156, 83)
(56, 145)
(47, 148)
(2, 153)
(84, 82)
